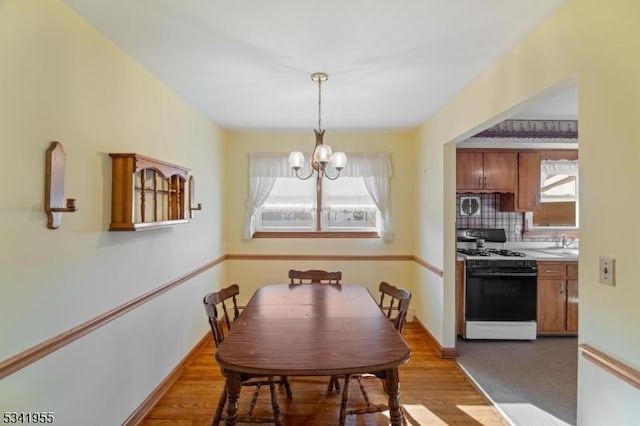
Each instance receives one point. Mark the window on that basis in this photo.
(558, 197)
(289, 207)
(358, 201)
(348, 206)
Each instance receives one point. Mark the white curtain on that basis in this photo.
(264, 168)
(559, 167)
(365, 164)
(373, 167)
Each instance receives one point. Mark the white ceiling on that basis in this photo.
(553, 105)
(246, 64)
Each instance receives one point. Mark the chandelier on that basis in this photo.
(322, 154)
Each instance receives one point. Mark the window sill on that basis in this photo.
(320, 234)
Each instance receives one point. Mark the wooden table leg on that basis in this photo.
(393, 390)
(233, 393)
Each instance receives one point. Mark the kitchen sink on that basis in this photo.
(559, 251)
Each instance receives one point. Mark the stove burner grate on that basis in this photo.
(486, 252)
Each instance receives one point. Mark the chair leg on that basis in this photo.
(221, 402)
(254, 400)
(274, 402)
(365, 395)
(332, 380)
(334, 383)
(284, 380)
(345, 400)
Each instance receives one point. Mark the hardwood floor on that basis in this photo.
(434, 391)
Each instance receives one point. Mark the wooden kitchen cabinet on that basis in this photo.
(527, 197)
(486, 171)
(558, 298)
(572, 298)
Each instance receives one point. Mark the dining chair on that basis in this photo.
(394, 303)
(314, 276)
(398, 300)
(220, 320)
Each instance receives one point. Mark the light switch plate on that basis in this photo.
(607, 271)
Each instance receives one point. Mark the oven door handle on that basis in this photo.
(502, 274)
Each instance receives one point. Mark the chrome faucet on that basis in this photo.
(566, 242)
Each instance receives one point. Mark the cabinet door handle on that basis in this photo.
(485, 181)
(562, 287)
(480, 181)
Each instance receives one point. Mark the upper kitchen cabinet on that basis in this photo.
(484, 171)
(527, 197)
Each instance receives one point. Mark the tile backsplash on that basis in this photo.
(491, 217)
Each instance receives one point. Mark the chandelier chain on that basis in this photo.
(319, 104)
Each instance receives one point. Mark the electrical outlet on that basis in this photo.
(607, 271)
(518, 229)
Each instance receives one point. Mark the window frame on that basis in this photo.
(319, 232)
(547, 231)
(373, 167)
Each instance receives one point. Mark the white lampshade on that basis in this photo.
(323, 154)
(339, 160)
(296, 159)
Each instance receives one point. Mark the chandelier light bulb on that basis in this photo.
(296, 160)
(323, 154)
(339, 160)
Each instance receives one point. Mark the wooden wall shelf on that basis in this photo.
(147, 193)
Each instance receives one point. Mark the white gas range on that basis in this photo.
(500, 287)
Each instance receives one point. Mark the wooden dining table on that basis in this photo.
(312, 330)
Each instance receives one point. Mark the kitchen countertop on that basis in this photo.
(544, 255)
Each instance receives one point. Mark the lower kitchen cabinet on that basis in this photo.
(558, 298)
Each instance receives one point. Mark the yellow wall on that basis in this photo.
(594, 46)
(61, 80)
(251, 273)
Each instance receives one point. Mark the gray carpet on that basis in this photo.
(531, 382)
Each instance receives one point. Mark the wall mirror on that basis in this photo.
(558, 197)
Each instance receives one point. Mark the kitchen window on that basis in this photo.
(354, 205)
(558, 197)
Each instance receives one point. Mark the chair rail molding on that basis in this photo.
(30, 355)
(612, 365)
(34, 353)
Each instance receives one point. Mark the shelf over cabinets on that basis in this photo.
(147, 193)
